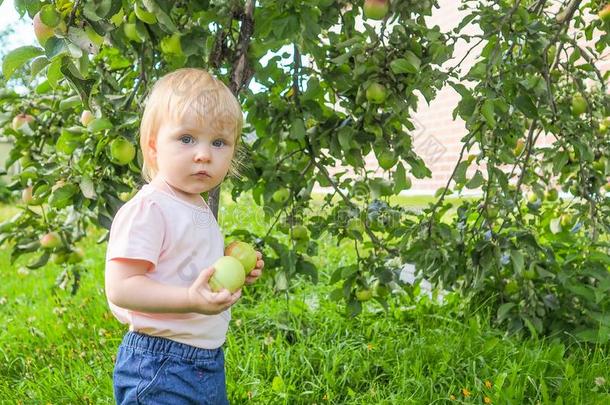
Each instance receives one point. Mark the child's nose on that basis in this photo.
(203, 154)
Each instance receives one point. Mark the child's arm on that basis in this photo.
(128, 287)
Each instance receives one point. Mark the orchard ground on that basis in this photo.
(58, 348)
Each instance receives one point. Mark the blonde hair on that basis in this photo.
(189, 91)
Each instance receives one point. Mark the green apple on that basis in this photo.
(380, 290)
(122, 151)
(600, 165)
(243, 252)
(283, 226)
(492, 211)
(76, 256)
(376, 93)
(604, 13)
(607, 187)
(604, 125)
(376, 9)
(126, 195)
(20, 120)
(42, 31)
(530, 274)
(229, 273)
(364, 294)
(171, 44)
(59, 258)
(579, 105)
(131, 32)
(552, 194)
(387, 159)
(86, 117)
(519, 147)
(50, 240)
(299, 232)
(532, 197)
(511, 287)
(26, 195)
(281, 195)
(354, 225)
(566, 221)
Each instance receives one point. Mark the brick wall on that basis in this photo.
(437, 139)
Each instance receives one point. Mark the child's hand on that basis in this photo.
(203, 300)
(258, 269)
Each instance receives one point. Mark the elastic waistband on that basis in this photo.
(160, 345)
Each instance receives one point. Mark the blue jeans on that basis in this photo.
(155, 370)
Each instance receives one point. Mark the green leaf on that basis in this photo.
(526, 106)
(555, 226)
(42, 260)
(345, 137)
(401, 181)
(488, 112)
(162, 17)
(504, 310)
(297, 129)
(460, 172)
(54, 74)
(55, 47)
(62, 197)
(17, 58)
(413, 60)
(406, 65)
(87, 187)
(476, 180)
(38, 64)
(518, 261)
(466, 107)
(69, 103)
(96, 10)
(67, 142)
(277, 384)
(560, 160)
(49, 16)
(83, 87)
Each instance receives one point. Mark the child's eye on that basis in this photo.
(218, 143)
(186, 139)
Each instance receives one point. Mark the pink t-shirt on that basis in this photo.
(180, 239)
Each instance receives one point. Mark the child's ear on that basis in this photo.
(152, 147)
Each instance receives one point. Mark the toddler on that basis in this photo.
(164, 241)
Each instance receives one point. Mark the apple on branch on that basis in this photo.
(42, 31)
(376, 9)
(20, 120)
(122, 151)
(281, 195)
(50, 240)
(86, 117)
(376, 93)
(26, 195)
(579, 105)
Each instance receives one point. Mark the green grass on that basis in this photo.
(58, 348)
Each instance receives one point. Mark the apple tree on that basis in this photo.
(324, 84)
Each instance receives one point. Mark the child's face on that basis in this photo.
(193, 159)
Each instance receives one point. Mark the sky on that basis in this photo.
(24, 34)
